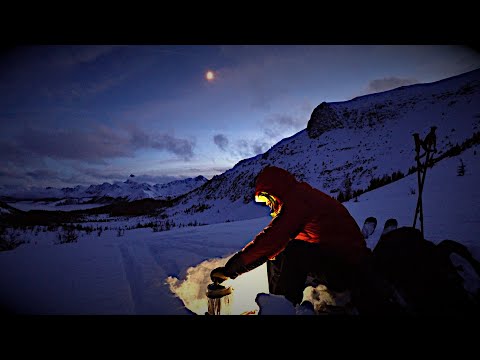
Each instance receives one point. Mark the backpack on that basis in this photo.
(427, 276)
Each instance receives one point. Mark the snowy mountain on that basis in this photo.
(356, 141)
(7, 209)
(129, 190)
(178, 187)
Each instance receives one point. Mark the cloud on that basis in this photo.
(259, 147)
(91, 146)
(13, 154)
(95, 145)
(221, 141)
(9, 172)
(247, 148)
(276, 125)
(181, 147)
(388, 83)
(103, 174)
(42, 174)
(243, 148)
(283, 120)
(48, 177)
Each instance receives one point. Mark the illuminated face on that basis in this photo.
(262, 197)
(270, 201)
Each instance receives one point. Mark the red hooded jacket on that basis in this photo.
(306, 214)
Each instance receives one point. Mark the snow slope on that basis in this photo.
(368, 137)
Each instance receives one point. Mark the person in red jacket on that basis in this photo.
(310, 234)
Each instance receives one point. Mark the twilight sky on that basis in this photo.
(72, 115)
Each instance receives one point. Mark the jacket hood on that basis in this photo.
(274, 181)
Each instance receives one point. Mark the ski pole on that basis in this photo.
(419, 182)
(419, 209)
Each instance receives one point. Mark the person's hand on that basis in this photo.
(218, 275)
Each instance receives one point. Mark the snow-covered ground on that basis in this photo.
(136, 273)
(451, 203)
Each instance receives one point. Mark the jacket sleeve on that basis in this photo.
(268, 243)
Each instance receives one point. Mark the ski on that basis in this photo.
(390, 224)
(369, 226)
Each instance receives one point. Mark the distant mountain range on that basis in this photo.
(129, 190)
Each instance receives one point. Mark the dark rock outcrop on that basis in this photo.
(323, 118)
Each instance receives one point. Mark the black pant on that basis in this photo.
(288, 273)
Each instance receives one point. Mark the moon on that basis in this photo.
(210, 75)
